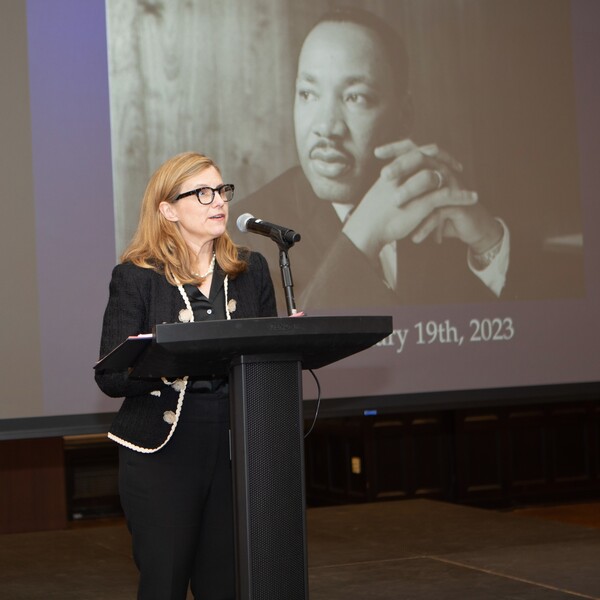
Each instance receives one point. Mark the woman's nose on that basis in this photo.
(218, 200)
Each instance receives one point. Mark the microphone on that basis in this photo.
(247, 222)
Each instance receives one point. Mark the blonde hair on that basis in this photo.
(157, 243)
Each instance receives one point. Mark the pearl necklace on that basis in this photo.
(211, 268)
(186, 315)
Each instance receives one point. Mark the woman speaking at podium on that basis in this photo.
(174, 466)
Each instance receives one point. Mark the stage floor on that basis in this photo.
(410, 550)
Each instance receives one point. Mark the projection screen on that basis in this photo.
(98, 94)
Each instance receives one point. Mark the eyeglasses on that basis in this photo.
(206, 194)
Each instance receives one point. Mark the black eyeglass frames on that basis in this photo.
(206, 194)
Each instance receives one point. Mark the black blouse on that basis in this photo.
(208, 309)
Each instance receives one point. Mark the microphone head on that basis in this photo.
(242, 222)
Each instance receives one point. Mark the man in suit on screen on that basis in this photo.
(383, 220)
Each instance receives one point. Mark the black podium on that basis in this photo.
(264, 359)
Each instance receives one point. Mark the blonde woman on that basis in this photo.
(174, 469)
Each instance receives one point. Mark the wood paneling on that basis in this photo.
(381, 458)
(32, 485)
(495, 456)
(498, 456)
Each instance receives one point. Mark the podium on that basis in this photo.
(263, 359)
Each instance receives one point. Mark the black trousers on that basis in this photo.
(179, 509)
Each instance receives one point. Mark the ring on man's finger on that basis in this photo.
(440, 178)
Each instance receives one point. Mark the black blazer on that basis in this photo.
(139, 299)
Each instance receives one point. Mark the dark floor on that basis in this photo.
(414, 549)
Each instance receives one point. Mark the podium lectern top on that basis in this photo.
(208, 347)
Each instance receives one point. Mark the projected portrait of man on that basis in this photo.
(419, 164)
(383, 220)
